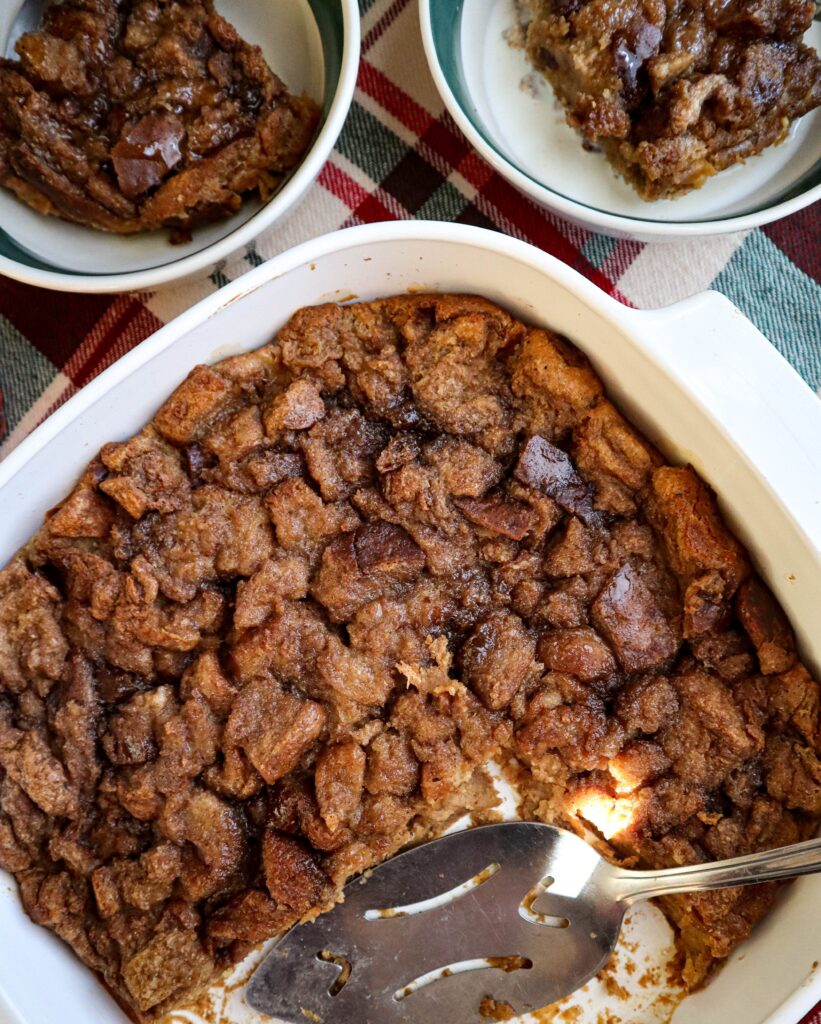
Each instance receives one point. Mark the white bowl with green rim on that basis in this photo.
(510, 115)
(313, 45)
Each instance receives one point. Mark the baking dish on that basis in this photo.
(697, 377)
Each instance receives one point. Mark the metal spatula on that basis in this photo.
(519, 911)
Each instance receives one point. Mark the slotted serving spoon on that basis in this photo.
(519, 911)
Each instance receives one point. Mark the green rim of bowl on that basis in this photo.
(446, 29)
(329, 21)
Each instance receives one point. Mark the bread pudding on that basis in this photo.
(278, 635)
(134, 115)
(674, 91)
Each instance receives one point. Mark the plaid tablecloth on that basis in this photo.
(401, 156)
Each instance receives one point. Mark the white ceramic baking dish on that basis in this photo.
(698, 377)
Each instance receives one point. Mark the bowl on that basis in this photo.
(697, 377)
(312, 44)
(509, 113)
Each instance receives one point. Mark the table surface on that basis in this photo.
(401, 156)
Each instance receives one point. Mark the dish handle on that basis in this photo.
(759, 401)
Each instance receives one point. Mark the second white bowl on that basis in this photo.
(509, 113)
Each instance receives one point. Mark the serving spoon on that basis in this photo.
(29, 18)
(521, 912)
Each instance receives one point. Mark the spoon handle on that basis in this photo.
(784, 862)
